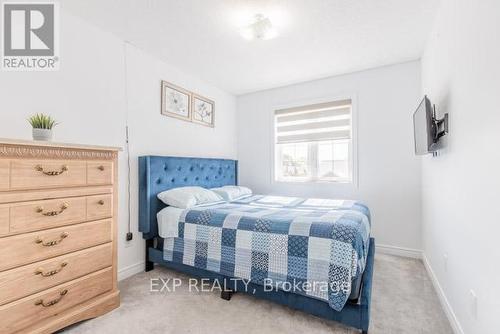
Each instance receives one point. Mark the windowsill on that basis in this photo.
(346, 182)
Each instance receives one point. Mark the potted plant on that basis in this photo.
(42, 126)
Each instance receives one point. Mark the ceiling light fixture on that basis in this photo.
(261, 28)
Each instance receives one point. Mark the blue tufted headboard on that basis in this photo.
(157, 174)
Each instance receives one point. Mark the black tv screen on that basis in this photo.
(424, 127)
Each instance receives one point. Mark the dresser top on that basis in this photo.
(34, 143)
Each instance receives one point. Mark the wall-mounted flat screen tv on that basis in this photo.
(424, 128)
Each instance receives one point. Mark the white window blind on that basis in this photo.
(318, 122)
(314, 143)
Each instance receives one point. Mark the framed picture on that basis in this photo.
(203, 110)
(175, 101)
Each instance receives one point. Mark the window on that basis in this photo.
(314, 143)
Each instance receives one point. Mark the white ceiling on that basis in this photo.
(318, 38)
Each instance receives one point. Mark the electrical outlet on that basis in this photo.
(128, 239)
(445, 262)
(473, 303)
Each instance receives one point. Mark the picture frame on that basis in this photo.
(175, 101)
(202, 110)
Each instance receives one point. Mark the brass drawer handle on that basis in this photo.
(53, 242)
(40, 271)
(101, 202)
(101, 168)
(52, 302)
(64, 206)
(39, 168)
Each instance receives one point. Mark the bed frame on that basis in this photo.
(157, 174)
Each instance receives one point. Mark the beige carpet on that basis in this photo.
(403, 301)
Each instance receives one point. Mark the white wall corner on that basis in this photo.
(131, 270)
(455, 324)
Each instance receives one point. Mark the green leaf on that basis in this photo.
(41, 121)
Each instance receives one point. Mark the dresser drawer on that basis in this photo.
(30, 310)
(4, 174)
(34, 174)
(32, 216)
(31, 247)
(4, 219)
(99, 172)
(24, 281)
(99, 207)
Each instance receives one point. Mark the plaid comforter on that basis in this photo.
(317, 244)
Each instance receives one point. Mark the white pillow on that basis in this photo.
(187, 197)
(232, 193)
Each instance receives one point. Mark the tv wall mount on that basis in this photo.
(441, 125)
(440, 129)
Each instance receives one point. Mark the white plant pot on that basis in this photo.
(42, 134)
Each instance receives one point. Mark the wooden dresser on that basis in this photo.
(58, 225)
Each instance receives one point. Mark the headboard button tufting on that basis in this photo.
(158, 174)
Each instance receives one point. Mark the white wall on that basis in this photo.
(461, 75)
(154, 134)
(87, 97)
(389, 172)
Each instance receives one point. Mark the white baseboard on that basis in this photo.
(130, 270)
(455, 324)
(399, 251)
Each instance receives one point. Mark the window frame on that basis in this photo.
(353, 148)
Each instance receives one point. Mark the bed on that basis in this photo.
(241, 239)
